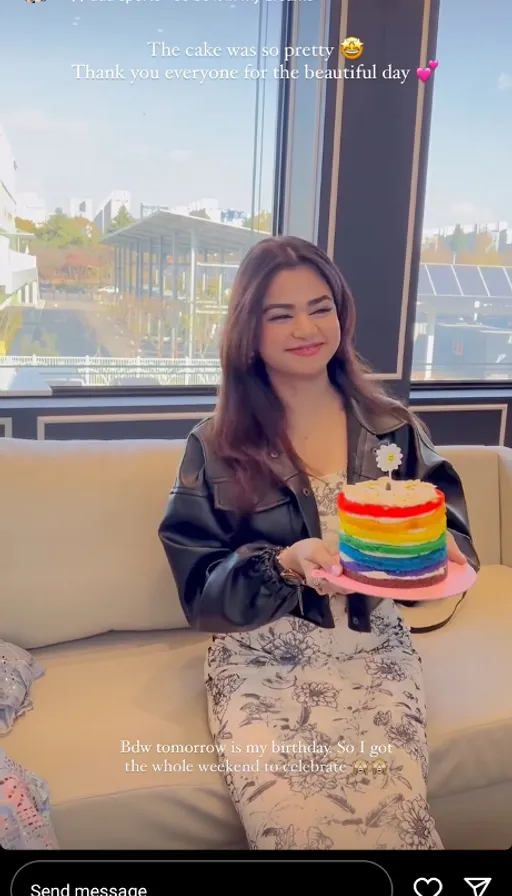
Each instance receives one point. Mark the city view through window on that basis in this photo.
(135, 173)
(463, 327)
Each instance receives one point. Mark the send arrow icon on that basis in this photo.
(478, 884)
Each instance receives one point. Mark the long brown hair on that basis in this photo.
(249, 421)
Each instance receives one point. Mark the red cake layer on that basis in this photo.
(384, 512)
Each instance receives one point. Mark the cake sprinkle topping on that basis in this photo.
(403, 493)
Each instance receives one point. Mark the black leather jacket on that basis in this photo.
(226, 575)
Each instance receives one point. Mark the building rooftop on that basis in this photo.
(211, 236)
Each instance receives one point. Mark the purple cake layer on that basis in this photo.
(390, 582)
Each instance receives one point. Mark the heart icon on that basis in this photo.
(433, 64)
(424, 73)
(432, 886)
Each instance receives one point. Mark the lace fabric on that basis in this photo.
(25, 821)
(18, 670)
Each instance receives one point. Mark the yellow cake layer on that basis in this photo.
(413, 531)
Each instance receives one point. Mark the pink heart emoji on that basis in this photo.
(424, 73)
(433, 63)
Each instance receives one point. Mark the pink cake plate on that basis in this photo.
(459, 579)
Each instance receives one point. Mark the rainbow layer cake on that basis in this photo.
(393, 533)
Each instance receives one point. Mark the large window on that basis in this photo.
(137, 147)
(463, 327)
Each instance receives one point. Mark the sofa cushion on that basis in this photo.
(468, 671)
(149, 688)
(479, 470)
(132, 687)
(79, 521)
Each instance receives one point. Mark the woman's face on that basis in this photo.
(300, 330)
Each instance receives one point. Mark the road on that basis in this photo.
(75, 327)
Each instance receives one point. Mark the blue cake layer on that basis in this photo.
(399, 565)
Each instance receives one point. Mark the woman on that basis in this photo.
(308, 688)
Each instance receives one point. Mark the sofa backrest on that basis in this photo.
(479, 469)
(79, 550)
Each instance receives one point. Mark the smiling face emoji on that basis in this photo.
(352, 48)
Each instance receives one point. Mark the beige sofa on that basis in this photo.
(85, 586)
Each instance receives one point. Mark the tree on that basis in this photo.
(122, 219)
(11, 322)
(86, 229)
(25, 225)
(59, 231)
(262, 222)
(457, 242)
(79, 266)
(436, 255)
(484, 243)
(86, 267)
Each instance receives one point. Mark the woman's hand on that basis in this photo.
(313, 553)
(454, 552)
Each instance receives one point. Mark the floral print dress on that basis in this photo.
(322, 732)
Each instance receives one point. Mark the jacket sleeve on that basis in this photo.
(431, 467)
(220, 589)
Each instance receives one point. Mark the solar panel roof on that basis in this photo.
(465, 280)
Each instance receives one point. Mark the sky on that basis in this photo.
(469, 173)
(172, 143)
(166, 142)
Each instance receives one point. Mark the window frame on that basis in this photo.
(309, 117)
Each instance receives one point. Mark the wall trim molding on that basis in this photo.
(456, 408)
(42, 422)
